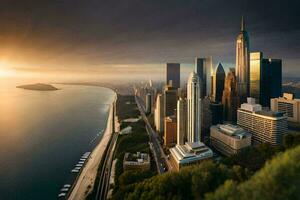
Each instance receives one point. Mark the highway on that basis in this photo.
(103, 186)
(159, 155)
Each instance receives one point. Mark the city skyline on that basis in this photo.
(82, 42)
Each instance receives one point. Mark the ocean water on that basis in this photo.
(43, 135)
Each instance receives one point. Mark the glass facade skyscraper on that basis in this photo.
(173, 75)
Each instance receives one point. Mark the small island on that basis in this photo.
(38, 86)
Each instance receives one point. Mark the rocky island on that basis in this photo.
(38, 86)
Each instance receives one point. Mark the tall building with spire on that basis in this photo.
(230, 99)
(243, 63)
(194, 108)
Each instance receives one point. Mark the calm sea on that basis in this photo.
(43, 135)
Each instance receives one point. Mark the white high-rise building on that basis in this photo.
(159, 113)
(265, 126)
(193, 108)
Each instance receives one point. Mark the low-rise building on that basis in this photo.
(288, 105)
(138, 161)
(189, 154)
(229, 139)
(265, 126)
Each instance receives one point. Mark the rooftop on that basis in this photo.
(232, 130)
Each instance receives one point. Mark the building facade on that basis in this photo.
(288, 105)
(170, 133)
(181, 121)
(173, 75)
(159, 113)
(243, 63)
(148, 103)
(194, 108)
(203, 67)
(170, 100)
(230, 98)
(265, 126)
(265, 78)
(229, 139)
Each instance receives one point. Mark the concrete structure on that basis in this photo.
(189, 154)
(173, 75)
(138, 161)
(243, 63)
(265, 126)
(170, 134)
(148, 103)
(194, 108)
(218, 83)
(203, 67)
(265, 78)
(181, 121)
(230, 98)
(288, 105)
(229, 139)
(170, 100)
(159, 113)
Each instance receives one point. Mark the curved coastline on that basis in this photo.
(84, 183)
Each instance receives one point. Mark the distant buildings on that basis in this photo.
(230, 99)
(218, 83)
(229, 139)
(170, 100)
(138, 161)
(288, 105)
(265, 126)
(189, 154)
(265, 78)
(173, 75)
(203, 70)
(170, 134)
(159, 113)
(242, 63)
(148, 103)
(194, 108)
(181, 121)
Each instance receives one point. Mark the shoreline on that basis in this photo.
(86, 180)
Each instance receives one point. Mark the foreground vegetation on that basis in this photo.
(259, 172)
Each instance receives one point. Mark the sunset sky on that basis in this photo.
(102, 39)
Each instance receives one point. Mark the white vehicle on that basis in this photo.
(80, 162)
(64, 190)
(67, 185)
(62, 194)
(77, 168)
(75, 171)
(79, 165)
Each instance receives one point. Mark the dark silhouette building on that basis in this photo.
(218, 83)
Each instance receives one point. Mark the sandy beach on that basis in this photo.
(86, 180)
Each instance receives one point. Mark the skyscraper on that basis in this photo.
(181, 121)
(173, 75)
(159, 113)
(194, 108)
(272, 71)
(203, 70)
(218, 83)
(170, 132)
(265, 78)
(242, 63)
(206, 119)
(170, 100)
(230, 98)
(148, 103)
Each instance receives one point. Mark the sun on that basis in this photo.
(5, 71)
